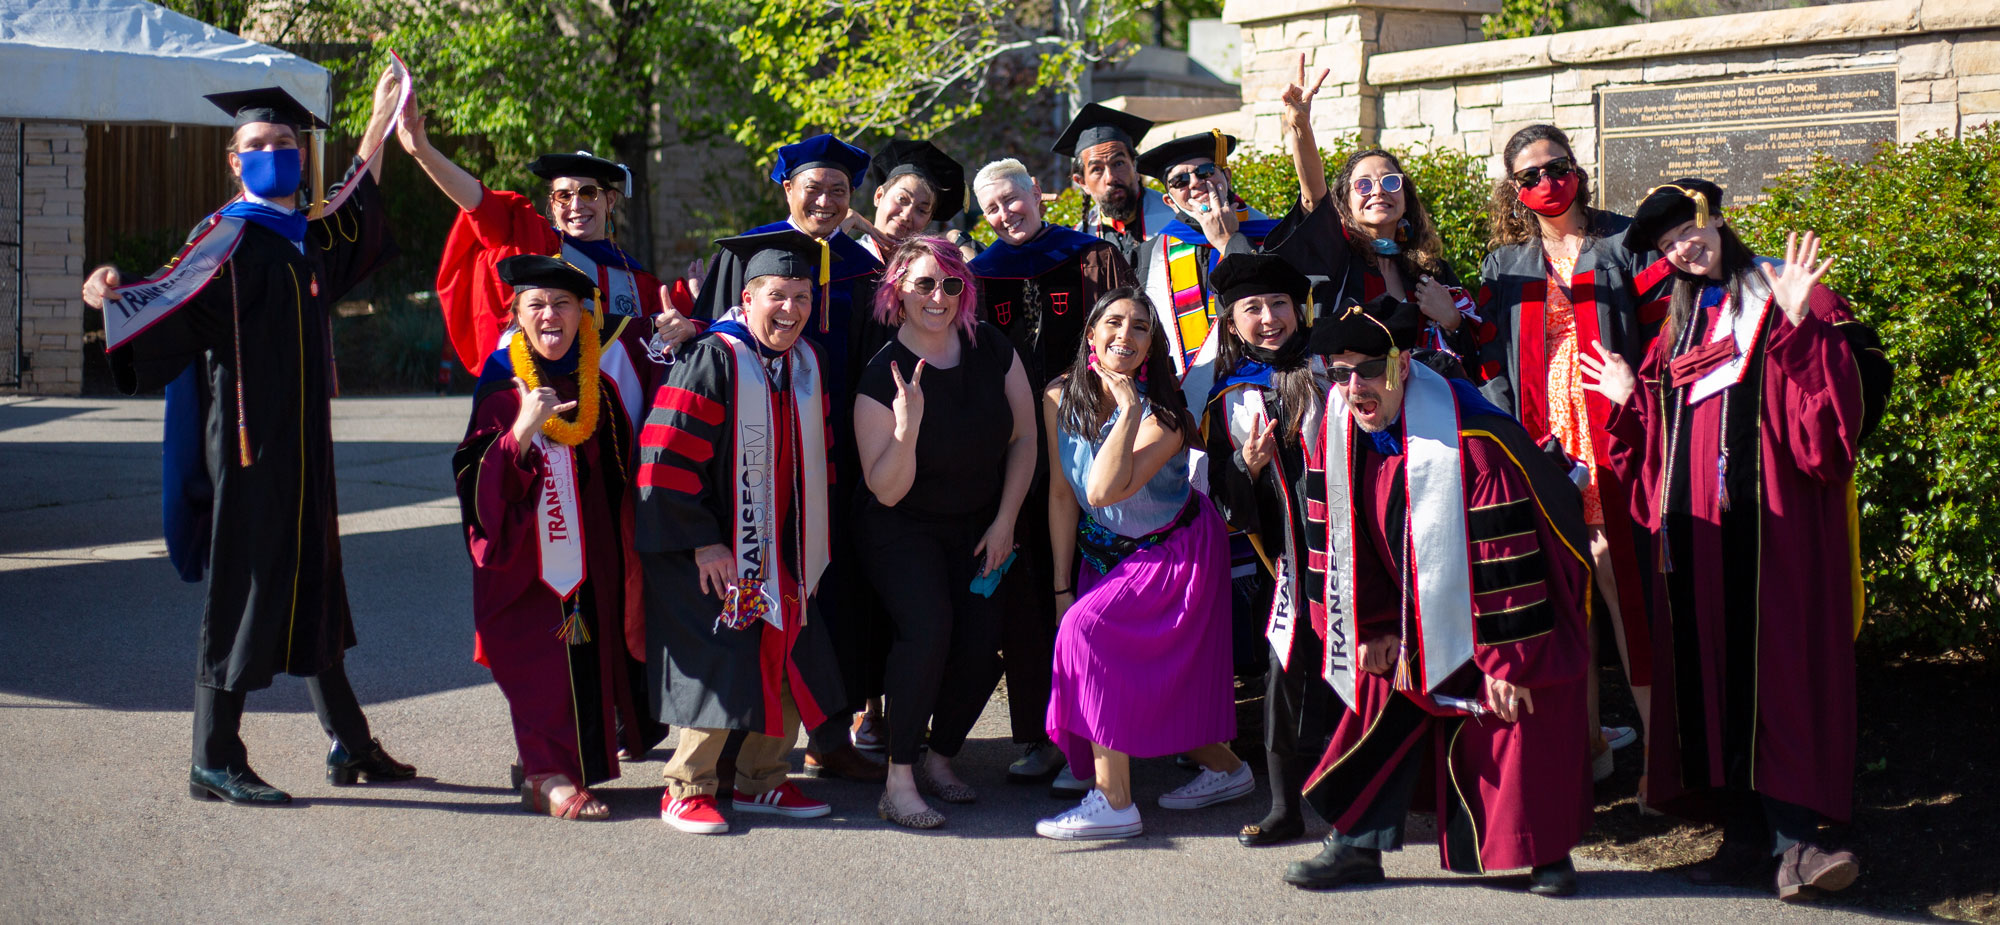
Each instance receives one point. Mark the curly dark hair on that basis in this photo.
(1083, 408)
(1507, 220)
(1423, 248)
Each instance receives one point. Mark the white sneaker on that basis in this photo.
(1211, 787)
(1093, 818)
(1619, 736)
(1067, 786)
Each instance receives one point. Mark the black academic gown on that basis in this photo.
(276, 599)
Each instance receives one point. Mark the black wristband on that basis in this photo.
(1069, 590)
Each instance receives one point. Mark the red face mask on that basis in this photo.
(1553, 196)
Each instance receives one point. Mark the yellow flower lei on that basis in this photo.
(557, 429)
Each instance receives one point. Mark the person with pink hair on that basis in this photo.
(944, 486)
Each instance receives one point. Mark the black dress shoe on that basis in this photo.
(1271, 830)
(344, 770)
(1557, 879)
(233, 785)
(1337, 866)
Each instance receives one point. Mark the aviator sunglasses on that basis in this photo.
(1392, 183)
(1555, 169)
(562, 197)
(1367, 370)
(951, 285)
(1200, 172)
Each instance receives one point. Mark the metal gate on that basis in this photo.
(13, 256)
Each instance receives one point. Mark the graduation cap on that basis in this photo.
(1212, 144)
(534, 271)
(266, 104)
(819, 151)
(925, 160)
(1240, 276)
(1668, 206)
(787, 252)
(582, 164)
(1095, 125)
(1381, 327)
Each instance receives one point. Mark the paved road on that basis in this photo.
(97, 641)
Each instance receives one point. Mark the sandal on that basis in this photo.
(950, 793)
(928, 818)
(578, 806)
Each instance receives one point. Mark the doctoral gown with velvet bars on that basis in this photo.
(277, 601)
(568, 701)
(1508, 795)
(699, 673)
(1754, 652)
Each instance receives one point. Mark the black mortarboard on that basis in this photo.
(946, 176)
(819, 151)
(788, 252)
(534, 271)
(1095, 125)
(1240, 276)
(1369, 329)
(1212, 144)
(581, 164)
(1669, 205)
(266, 104)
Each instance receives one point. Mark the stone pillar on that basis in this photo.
(52, 313)
(1340, 35)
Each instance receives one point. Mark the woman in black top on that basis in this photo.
(947, 452)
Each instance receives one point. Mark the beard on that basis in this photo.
(1122, 208)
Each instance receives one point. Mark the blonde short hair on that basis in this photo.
(1007, 170)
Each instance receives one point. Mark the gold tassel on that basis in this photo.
(1403, 682)
(825, 293)
(1389, 378)
(1221, 147)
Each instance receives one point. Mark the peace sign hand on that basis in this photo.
(1297, 99)
(1258, 449)
(1793, 283)
(909, 402)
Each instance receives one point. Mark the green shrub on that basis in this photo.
(1919, 253)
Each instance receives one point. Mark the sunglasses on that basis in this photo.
(951, 285)
(1200, 172)
(1555, 170)
(563, 197)
(1393, 183)
(1369, 370)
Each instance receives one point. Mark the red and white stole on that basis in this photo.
(1434, 483)
(618, 284)
(559, 518)
(755, 472)
(1243, 407)
(1744, 325)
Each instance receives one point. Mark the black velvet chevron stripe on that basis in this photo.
(1517, 623)
(1504, 519)
(1498, 574)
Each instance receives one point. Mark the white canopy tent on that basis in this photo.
(133, 61)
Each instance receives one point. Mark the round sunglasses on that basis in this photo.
(563, 197)
(1392, 183)
(951, 285)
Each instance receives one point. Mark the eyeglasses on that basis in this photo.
(1369, 370)
(951, 285)
(1200, 172)
(1555, 169)
(1392, 183)
(562, 197)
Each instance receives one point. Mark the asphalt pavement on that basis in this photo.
(97, 655)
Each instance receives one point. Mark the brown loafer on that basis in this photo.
(1806, 871)
(845, 762)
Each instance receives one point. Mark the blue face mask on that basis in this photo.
(1383, 246)
(270, 174)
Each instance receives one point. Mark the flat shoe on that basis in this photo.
(950, 793)
(928, 818)
(1266, 832)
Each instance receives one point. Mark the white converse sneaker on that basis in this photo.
(1211, 787)
(1093, 818)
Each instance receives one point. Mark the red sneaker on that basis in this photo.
(696, 814)
(785, 800)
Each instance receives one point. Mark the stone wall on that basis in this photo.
(1397, 83)
(52, 315)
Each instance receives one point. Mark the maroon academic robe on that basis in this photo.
(1508, 795)
(1754, 659)
(568, 700)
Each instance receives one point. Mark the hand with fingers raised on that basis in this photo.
(1793, 283)
(537, 406)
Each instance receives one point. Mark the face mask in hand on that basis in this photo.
(270, 174)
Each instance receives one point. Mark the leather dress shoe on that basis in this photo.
(344, 770)
(1337, 866)
(847, 763)
(1805, 871)
(1271, 830)
(1557, 879)
(233, 785)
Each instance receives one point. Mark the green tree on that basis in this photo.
(1522, 18)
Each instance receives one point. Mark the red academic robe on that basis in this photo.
(470, 293)
(1508, 795)
(1754, 655)
(567, 700)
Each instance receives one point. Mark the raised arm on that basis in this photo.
(1133, 452)
(1298, 99)
(462, 188)
(386, 87)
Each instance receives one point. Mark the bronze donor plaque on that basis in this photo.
(1740, 133)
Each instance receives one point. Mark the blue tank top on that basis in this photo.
(1152, 507)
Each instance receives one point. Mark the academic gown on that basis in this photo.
(568, 700)
(1617, 301)
(1753, 654)
(1174, 266)
(1129, 237)
(701, 674)
(1508, 795)
(277, 601)
(503, 225)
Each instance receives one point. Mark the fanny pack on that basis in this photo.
(1104, 548)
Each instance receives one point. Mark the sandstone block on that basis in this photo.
(1534, 89)
(1959, 14)
(1927, 119)
(1976, 57)
(1924, 60)
(1477, 92)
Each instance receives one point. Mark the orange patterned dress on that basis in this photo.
(1568, 419)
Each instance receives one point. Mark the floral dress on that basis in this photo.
(1568, 419)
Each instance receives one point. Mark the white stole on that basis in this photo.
(619, 285)
(754, 472)
(141, 305)
(559, 518)
(1744, 326)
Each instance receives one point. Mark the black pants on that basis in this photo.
(218, 719)
(1028, 619)
(1381, 824)
(1757, 819)
(944, 641)
(1299, 708)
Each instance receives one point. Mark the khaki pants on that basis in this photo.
(762, 763)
